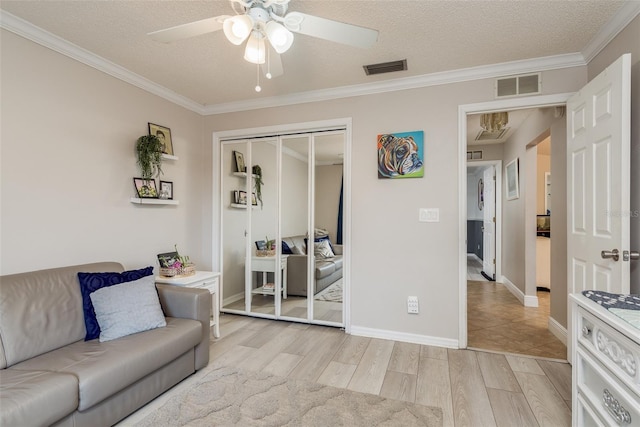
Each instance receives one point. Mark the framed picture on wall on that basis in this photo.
(239, 158)
(146, 188)
(513, 188)
(166, 189)
(164, 135)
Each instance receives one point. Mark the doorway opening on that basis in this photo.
(501, 292)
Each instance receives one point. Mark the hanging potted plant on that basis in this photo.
(149, 152)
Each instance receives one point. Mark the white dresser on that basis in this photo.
(202, 279)
(606, 367)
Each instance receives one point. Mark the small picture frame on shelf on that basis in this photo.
(164, 135)
(239, 158)
(146, 188)
(166, 190)
(254, 200)
(261, 245)
(242, 197)
(167, 259)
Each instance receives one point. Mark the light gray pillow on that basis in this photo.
(127, 308)
(322, 249)
(297, 251)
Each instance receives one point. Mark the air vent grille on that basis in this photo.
(385, 67)
(485, 135)
(518, 85)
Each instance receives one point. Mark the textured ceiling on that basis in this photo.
(433, 36)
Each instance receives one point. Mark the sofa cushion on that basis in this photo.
(337, 261)
(127, 308)
(91, 282)
(324, 268)
(106, 368)
(36, 397)
(286, 250)
(45, 306)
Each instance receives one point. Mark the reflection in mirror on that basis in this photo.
(264, 281)
(294, 223)
(234, 218)
(327, 248)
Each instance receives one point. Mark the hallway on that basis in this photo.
(497, 321)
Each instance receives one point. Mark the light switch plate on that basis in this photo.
(429, 215)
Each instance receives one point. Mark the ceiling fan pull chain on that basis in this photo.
(258, 88)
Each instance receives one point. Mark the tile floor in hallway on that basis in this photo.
(497, 321)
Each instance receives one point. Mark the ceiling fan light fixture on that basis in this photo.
(280, 38)
(494, 122)
(237, 28)
(255, 50)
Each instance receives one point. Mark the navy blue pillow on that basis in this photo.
(286, 250)
(90, 282)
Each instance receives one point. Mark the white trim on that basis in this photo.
(558, 330)
(44, 38)
(403, 337)
(231, 300)
(526, 300)
(610, 30)
(474, 256)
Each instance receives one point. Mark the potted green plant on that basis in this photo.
(149, 152)
(257, 172)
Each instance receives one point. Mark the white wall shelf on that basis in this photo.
(139, 201)
(239, 206)
(169, 157)
(244, 174)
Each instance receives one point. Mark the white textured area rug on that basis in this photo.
(233, 397)
(332, 293)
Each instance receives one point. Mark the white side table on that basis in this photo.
(267, 264)
(202, 279)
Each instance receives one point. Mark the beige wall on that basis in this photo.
(393, 255)
(328, 182)
(68, 136)
(627, 42)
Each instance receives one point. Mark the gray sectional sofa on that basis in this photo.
(50, 376)
(327, 270)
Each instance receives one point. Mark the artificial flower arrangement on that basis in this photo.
(173, 264)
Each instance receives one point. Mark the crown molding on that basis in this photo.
(44, 38)
(610, 30)
(441, 78)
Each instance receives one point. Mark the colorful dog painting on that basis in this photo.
(401, 155)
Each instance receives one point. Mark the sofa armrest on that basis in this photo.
(337, 249)
(189, 303)
(297, 275)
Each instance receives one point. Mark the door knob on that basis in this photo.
(614, 254)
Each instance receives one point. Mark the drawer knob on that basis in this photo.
(615, 409)
(586, 331)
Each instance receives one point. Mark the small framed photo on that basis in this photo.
(254, 200)
(261, 245)
(166, 190)
(513, 188)
(167, 260)
(242, 197)
(239, 157)
(146, 188)
(164, 134)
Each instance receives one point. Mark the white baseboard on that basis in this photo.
(558, 330)
(403, 337)
(232, 299)
(526, 300)
(474, 256)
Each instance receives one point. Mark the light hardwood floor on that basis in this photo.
(473, 388)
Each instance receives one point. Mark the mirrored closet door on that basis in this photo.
(282, 253)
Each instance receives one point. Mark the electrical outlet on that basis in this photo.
(412, 305)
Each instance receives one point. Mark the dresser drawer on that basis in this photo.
(586, 416)
(614, 402)
(609, 346)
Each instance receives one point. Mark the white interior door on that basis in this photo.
(598, 129)
(489, 223)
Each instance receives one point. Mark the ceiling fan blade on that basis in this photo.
(191, 29)
(273, 64)
(328, 29)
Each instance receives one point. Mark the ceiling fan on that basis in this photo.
(259, 20)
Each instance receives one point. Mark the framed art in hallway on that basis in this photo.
(513, 189)
(401, 155)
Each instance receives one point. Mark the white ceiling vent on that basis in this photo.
(486, 135)
(385, 67)
(518, 85)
